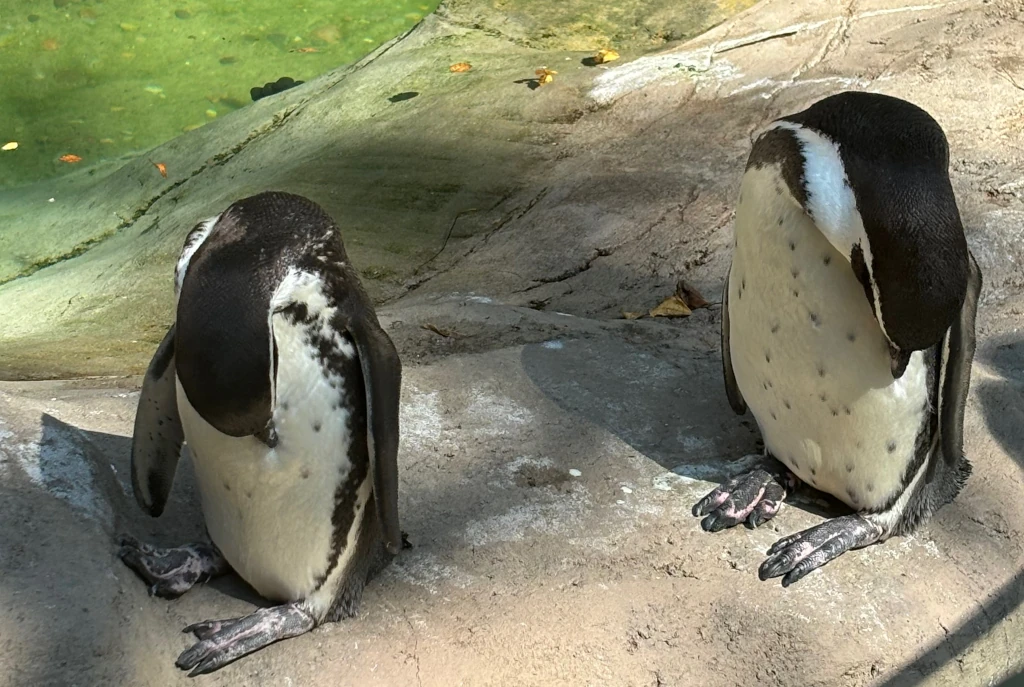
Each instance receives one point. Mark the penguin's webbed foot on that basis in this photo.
(224, 641)
(172, 572)
(798, 554)
(754, 497)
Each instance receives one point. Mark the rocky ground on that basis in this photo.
(574, 201)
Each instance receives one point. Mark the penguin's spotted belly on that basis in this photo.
(811, 360)
(269, 510)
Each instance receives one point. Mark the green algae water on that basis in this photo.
(95, 80)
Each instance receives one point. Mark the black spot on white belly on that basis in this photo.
(775, 328)
(767, 357)
(780, 221)
(849, 467)
(795, 272)
(823, 397)
(227, 487)
(814, 319)
(847, 410)
(796, 293)
(835, 412)
(773, 416)
(891, 446)
(851, 337)
(871, 486)
(827, 259)
(792, 245)
(821, 370)
(305, 473)
(787, 404)
(316, 426)
(248, 494)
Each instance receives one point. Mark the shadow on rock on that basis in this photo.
(1002, 405)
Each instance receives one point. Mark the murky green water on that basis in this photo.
(98, 79)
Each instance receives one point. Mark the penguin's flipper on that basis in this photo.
(956, 375)
(157, 437)
(732, 390)
(382, 378)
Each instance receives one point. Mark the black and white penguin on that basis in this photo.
(848, 325)
(278, 376)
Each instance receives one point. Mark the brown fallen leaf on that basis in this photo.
(307, 50)
(459, 67)
(628, 315)
(603, 56)
(690, 296)
(673, 306)
(545, 75)
(446, 333)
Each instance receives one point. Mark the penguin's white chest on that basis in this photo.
(809, 357)
(269, 510)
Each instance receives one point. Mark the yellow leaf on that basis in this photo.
(690, 296)
(545, 76)
(603, 56)
(460, 67)
(673, 306)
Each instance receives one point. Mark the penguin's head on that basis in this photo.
(228, 269)
(874, 178)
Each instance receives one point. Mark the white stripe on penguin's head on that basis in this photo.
(195, 238)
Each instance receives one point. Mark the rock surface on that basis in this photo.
(580, 199)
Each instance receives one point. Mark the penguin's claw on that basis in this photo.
(798, 554)
(754, 497)
(172, 572)
(224, 641)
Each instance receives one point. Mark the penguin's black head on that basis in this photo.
(911, 255)
(229, 268)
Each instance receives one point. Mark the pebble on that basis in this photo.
(627, 490)
(574, 472)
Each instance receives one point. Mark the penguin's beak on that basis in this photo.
(898, 360)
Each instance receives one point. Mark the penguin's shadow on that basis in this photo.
(670, 406)
(1002, 400)
(182, 519)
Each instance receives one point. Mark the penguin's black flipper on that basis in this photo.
(732, 390)
(956, 372)
(382, 378)
(158, 436)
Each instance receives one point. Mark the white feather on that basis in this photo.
(827, 405)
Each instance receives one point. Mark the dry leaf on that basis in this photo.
(161, 167)
(603, 56)
(673, 306)
(459, 67)
(447, 333)
(308, 50)
(545, 75)
(690, 296)
(632, 315)
(13, 145)
(69, 158)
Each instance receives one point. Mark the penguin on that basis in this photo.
(280, 380)
(848, 326)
